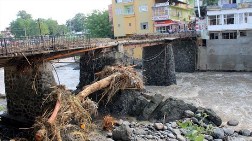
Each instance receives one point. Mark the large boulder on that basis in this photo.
(123, 132)
(213, 117)
(172, 109)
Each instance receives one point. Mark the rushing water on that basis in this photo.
(227, 93)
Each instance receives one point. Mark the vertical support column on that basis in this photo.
(159, 66)
(26, 90)
(90, 63)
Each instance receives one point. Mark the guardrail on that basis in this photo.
(45, 44)
(38, 44)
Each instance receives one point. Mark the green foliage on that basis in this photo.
(2, 108)
(24, 25)
(98, 25)
(194, 131)
(77, 23)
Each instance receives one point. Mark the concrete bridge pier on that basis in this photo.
(159, 65)
(26, 88)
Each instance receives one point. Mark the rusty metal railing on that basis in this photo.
(40, 44)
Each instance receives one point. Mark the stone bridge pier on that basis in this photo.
(159, 65)
(26, 89)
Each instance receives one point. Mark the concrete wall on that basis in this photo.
(227, 54)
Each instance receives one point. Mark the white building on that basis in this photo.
(228, 37)
(230, 15)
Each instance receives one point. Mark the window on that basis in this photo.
(143, 8)
(243, 33)
(214, 36)
(126, 1)
(229, 19)
(230, 35)
(118, 11)
(161, 29)
(118, 1)
(128, 10)
(240, 18)
(214, 20)
(160, 11)
(144, 25)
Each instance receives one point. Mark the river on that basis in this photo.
(227, 93)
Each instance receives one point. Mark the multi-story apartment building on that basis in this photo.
(228, 43)
(150, 16)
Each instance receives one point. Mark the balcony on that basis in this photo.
(245, 5)
(160, 17)
(229, 6)
(161, 4)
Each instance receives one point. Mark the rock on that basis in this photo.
(159, 126)
(183, 131)
(126, 123)
(228, 131)
(109, 139)
(188, 113)
(195, 120)
(212, 116)
(120, 122)
(176, 132)
(123, 132)
(171, 135)
(149, 136)
(172, 108)
(230, 138)
(245, 132)
(174, 124)
(217, 139)
(208, 137)
(181, 138)
(109, 134)
(151, 106)
(233, 122)
(165, 127)
(218, 133)
(141, 131)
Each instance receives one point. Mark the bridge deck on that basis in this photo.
(32, 46)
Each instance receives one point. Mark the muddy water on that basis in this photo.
(227, 93)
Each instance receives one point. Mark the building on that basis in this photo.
(7, 33)
(228, 37)
(150, 16)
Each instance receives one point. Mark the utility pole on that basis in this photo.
(198, 8)
(40, 32)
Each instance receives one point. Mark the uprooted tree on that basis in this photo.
(71, 116)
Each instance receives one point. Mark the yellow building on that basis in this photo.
(132, 17)
(150, 16)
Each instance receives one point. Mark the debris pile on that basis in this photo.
(70, 119)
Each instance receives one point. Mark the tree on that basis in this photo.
(52, 26)
(76, 23)
(24, 25)
(98, 25)
(210, 2)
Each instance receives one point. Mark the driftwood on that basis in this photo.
(112, 79)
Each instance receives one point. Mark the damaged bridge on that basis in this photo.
(29, 74)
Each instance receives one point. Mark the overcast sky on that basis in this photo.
(60, 10)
